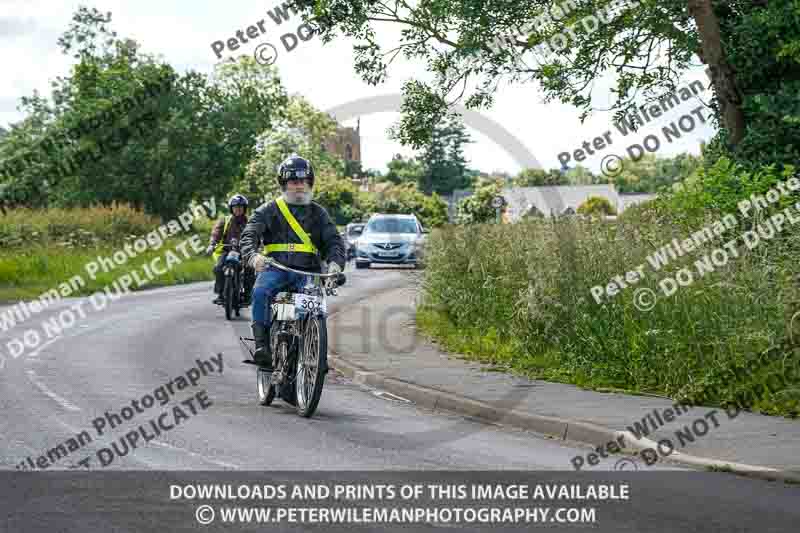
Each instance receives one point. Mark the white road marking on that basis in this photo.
(389, 396)
(193, 454)
(43, 346)
(42, 387)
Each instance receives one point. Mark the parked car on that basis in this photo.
(391, 239)
(351, 233)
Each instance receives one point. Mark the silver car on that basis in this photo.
(390, 239)
(351, 233)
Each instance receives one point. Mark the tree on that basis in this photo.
(477, 209)
(404, 199)
(651, 174)
(402, 170)
(301, 130)
(352, 169)
(338, 196)
(750, 47)
(445, 168)
(102, 138)
(581, 175)
(596, 205)
(711, 52)
(537, 177)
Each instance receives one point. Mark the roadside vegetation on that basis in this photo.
(39, 249)
(519, 296)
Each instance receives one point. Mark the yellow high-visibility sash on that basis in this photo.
(307, 246)
(218, 250)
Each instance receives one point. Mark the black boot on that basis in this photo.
(263, 354)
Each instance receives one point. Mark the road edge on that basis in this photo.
(560, 428)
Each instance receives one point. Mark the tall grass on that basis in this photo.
(39, 249)
(23, 227)
(527, 287)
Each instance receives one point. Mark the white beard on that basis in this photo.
(303, 198)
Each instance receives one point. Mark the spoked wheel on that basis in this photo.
(237, 294)
(266, 391)
(229, 295)
(312, 364)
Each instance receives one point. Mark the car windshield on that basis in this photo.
(392, 225)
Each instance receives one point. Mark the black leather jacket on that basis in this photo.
(267, 225)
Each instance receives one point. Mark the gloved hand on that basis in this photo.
(333, 268)
(210, 249)
(259, 263)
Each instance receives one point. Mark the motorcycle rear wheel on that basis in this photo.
(266, 391)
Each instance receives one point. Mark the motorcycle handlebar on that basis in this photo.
(340, 280)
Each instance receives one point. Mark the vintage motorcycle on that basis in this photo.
(233, 296)
(299, 342)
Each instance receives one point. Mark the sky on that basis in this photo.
(182, 32)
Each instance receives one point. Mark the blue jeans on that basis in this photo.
(269, 283)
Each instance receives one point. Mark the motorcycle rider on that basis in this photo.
(225, 231)
(296, 232)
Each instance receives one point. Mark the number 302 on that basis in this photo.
(311, 305)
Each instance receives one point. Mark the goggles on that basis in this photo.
(298, 174)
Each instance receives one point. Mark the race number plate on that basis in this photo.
(305, 303)
(284, 311)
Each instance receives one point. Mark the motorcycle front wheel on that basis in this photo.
(312, 365)
(229, 296)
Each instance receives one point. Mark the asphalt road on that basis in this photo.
(148, 339)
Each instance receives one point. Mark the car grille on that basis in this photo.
(388, 245)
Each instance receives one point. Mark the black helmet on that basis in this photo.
(295, 167)
(237, 199)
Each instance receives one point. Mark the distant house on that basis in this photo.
(545, 201)
(557, 200)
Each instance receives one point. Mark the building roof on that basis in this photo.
(555, 200)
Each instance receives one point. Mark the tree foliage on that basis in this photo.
(404, 199)
(538, 177)
(643, 49)
(596, 205)
(477, 209)
(190, 141)
(444, 166)
(404, 170)
(301, 129)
